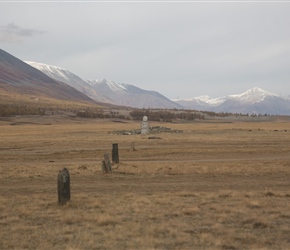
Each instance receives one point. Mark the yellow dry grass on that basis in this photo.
(214, 186)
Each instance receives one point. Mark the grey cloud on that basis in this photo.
(14, 33)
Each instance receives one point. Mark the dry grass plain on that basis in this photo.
(214, 186)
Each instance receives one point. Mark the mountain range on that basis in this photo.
(254, 101)
(108, 91)
(45, 80)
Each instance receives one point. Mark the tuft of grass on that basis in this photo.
(191, 210)
(107, 220)
(254, 204)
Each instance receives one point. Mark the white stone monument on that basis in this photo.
(144, 126)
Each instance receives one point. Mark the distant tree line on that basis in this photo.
(227, 114)
(162, 115)
(165, 115)
(92, 113)
(7, 110)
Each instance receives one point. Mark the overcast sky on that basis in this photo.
(180, 49)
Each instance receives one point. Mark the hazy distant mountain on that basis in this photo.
(253, 101)
(69, 78)
(131, 96)
(108, 91)
(18, 77)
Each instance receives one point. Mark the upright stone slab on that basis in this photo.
(115, 154)
(108, 167)
(63, 186)
(104, 167)
(145, 125)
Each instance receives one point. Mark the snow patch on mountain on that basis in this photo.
(110, 84)
(253, 95)
(49, 69)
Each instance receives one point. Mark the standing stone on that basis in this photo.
(63, 186)
(115, 154)
(104, 168)
(108, 167)
(144, 125)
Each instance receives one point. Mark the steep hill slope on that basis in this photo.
(18, 77)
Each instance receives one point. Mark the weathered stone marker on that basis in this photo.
(63, 186)
(115, 154)
(104, 168)
(144, 125)
(106, 164)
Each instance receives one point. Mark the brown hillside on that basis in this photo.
(19, 77)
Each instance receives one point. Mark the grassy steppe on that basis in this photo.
(214, 186)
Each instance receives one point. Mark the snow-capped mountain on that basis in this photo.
(129, 95)
(108, 91)
(63, 75)
(253, 101)
(253, 95)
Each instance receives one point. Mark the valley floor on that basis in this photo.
(216, 185)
